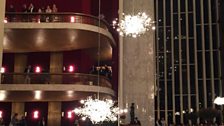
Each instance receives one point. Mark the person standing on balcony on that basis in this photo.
(14, 120)
(23, 121)
(42, 122)
(11, 16)
(2, 122)
(24, 10)
(11, 8)
(48, 10)
(54, 8)
(27, 72)
(31, 8)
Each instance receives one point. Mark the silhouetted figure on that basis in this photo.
(42, 122)
(24, 10)
(54, 8)
(11, 16)
(93, 70)
(2, 122)
(132, 113)
(158, 122)
(27, 72)
(14, 120)
(23, 121)
(11, 8)
(137, 122)
(163, 122)
(31, 8)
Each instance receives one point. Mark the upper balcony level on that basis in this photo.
(39, 32)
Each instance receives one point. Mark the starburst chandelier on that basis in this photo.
(98, 110)
(133, 25)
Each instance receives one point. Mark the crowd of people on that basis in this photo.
(15, 121)
(21, 121)
(31, 8)
(102, 70)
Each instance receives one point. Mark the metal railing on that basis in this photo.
(55, 78)
(55, 18)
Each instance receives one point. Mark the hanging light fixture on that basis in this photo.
(133, 25)
(98, 110)
(219, 101)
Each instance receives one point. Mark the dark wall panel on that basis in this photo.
(5, 107)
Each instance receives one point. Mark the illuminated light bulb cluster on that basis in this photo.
(219, 101)
(133, 25)
(98, 110)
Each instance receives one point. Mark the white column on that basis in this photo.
(139, 66)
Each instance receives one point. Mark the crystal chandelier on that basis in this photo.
(133, 25)
(98, 110)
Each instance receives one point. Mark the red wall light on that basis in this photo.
(69, 114)
(37, 69)
(3, 70)
(72, 19)
(71, 68)
(36, 114)
(1, 113)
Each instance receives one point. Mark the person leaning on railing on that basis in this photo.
(11, 9)
(48, 10)
(31, 9)
(27, 72)
(41, 17)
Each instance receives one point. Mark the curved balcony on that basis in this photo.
(54, 86)
(55, 18)
(55, 32)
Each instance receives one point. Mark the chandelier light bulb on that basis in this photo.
(219, 101)
(133, 25)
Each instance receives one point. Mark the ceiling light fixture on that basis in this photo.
(219, 101)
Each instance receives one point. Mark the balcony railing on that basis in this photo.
(54, 18)
(55, 78)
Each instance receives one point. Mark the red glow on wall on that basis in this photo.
(37, 69)
(69, 114)
(36, 114)
(71, 68)
(1, 114)
(3, 70)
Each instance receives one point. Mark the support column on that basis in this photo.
(139, 66)
(20, 63)
(2, 17)
(56, 66)
(18, 107)
(54, 114)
